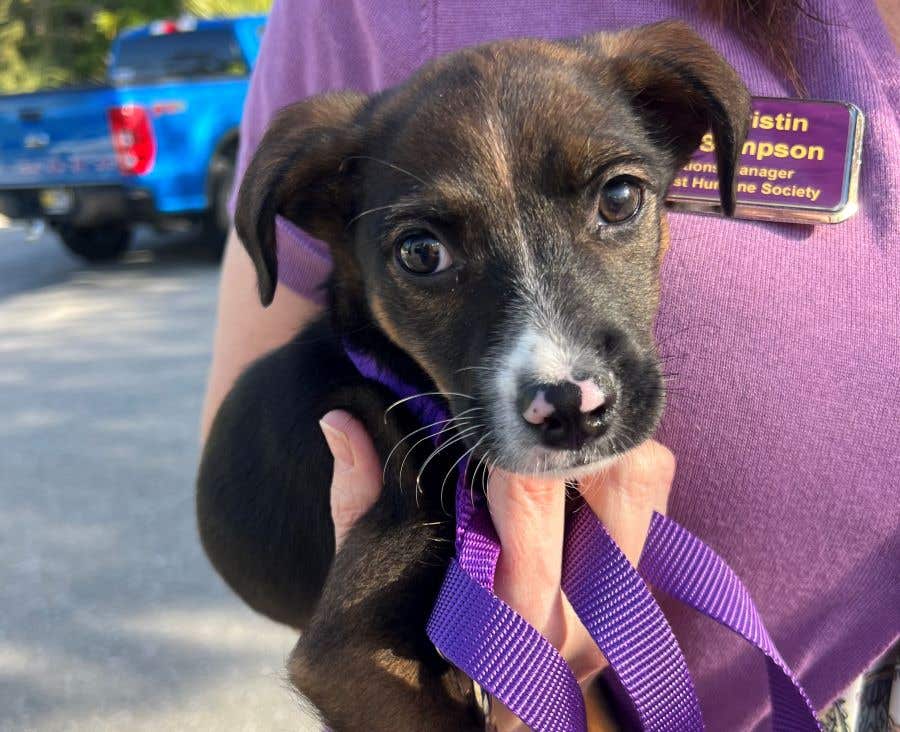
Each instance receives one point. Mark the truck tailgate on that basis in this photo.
(57, 138)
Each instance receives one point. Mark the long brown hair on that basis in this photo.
(769, 26)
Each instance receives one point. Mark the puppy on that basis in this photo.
(497, 227)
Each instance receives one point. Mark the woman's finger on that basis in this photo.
(529, 516)
(356, 481)
(625, 494)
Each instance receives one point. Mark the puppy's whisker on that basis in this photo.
(486, 474)
(462, 435)
(388, 207)
(453, 425)
(482, 463)
(675, 358)
(671, 336)
(487, 481)
(456, 422)
(425, 394)
(386, 164)
(483, 466)
(458, 461)
(454, 418)
(474, 475)
(416, 431)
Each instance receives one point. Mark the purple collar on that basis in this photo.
(494, 645)
(425, 407)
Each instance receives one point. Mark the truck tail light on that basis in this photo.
(133, 141)
(184, 24)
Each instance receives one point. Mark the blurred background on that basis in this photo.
(118, 127)
(51, 43)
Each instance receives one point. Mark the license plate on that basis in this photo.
(56, 201)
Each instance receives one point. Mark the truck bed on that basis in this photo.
(57, 138)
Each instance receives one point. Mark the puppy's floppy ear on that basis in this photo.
(299, 172)
(682, 88)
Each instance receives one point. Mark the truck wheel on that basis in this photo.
(100, 244)
(218, 218)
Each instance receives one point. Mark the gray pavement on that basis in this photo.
(110, 616)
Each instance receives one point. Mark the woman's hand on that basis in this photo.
(356, 481)
(529, 515)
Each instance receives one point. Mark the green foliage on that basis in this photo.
(51, 43)
(211, 8)
(14, 71)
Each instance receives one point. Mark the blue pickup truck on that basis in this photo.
(156, 144)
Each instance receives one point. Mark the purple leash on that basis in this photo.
(681, 565)
(488, 640)
(628, 626)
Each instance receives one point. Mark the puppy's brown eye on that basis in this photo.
(620, 199)
(422, 254)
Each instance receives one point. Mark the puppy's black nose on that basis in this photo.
(567, 414)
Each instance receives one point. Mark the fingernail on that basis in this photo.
(339, 446)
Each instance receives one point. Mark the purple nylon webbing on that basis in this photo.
(488, 640)
(496, 647)
(681, 565)
(628, 627)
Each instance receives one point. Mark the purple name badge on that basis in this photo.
(800, 163)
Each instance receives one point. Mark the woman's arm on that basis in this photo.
(245, 330)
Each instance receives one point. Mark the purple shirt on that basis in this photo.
(785, 338)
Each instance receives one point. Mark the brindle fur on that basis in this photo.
(495, 148)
